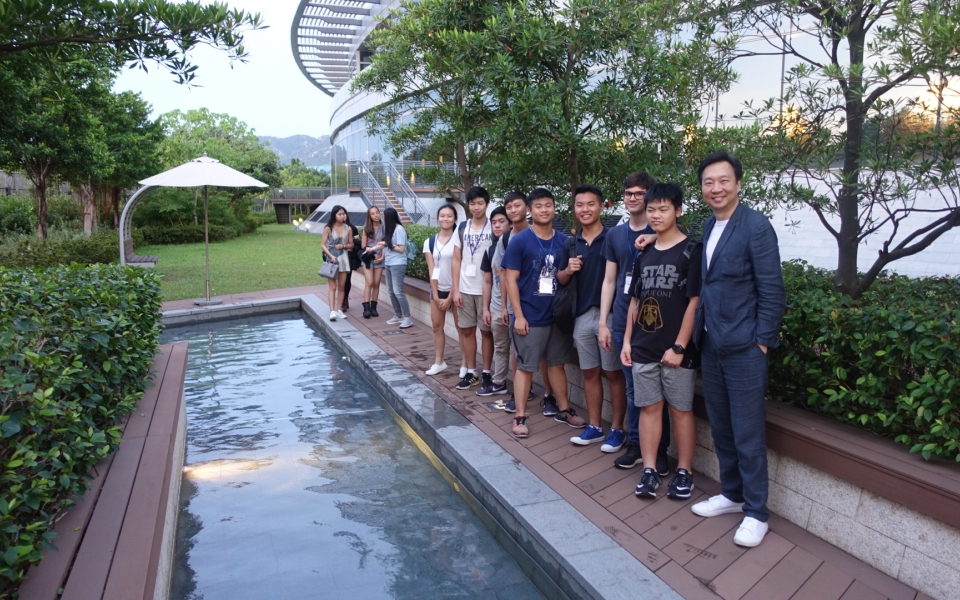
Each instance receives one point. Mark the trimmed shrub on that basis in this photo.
(76, 346)
(60, 249)
(64, 212)
(182, 234)
(888, 362)
(417, 234)
(16, 216)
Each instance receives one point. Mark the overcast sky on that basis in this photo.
(268, 93)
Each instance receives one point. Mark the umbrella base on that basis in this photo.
(210, 302)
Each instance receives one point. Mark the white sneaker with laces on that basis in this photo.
(750, 533)
(333, 315)
(393, 320)
(341, 314)
(717, 505)
(406, 322)
(434, 369)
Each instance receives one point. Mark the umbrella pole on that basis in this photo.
(206, 249)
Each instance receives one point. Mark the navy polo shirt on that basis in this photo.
(590, 276)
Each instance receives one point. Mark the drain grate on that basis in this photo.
(495, 406)
(392, 332)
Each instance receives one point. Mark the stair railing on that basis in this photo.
(406, 196)
(361, 177)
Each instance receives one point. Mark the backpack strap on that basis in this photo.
(433, 241)
(460, 229)
(506, 238)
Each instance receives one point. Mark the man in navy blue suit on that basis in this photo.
(742, 301)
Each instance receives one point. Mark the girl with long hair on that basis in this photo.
(336, 242)
(373, 231)
(438, 252)
(395, 264)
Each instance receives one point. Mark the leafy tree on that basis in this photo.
(297, 174)
(131, 31)
(865, 165)
(49, 130)
(543, 92)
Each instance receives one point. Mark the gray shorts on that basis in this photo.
(546, 342)
(471, 314)
(653, 382)
(585, 334)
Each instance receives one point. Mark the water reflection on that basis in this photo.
(298, 483)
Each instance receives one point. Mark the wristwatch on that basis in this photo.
(678, 349)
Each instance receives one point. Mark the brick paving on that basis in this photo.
(695, 556)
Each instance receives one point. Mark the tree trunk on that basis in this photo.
(115, 201)
(88, 208)
(40, 189)
(848, 203)
(573, 164)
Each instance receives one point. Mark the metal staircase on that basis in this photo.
(381, 185)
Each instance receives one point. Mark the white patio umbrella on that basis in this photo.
(203, 171)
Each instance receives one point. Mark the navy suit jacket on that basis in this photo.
(742, 298)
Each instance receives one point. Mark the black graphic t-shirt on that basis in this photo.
(663, 283)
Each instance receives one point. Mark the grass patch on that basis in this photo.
(273, 257)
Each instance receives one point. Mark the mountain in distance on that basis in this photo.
(311, 151)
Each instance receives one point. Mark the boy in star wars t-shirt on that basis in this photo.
(665, 295)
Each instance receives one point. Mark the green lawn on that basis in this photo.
(273, 257)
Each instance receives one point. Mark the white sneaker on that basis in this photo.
(406, 322)
(393, 320)
(750, 533)
(341, 315)
(463, 371)
(717, 505)
(434, 369)
(333, 315)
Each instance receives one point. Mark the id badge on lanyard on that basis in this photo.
(470, 270)
(627, 282)
(546, 285)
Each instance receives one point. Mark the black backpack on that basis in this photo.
(565, 302)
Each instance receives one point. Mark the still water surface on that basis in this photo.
(299, 484)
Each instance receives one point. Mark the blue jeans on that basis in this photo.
(394, 276)
(633, 411)
(735, 390)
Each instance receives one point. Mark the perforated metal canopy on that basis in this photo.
(326, 35)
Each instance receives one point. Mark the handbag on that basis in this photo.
(329, 270)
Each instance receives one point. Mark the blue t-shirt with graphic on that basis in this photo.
(534, 258)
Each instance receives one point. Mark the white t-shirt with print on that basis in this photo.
(475, 244)
(442, 260)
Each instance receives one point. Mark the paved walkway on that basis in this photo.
(695, 556)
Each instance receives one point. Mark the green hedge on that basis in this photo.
(16, 215)
(888, 362)
(417, 234)
(60, 249)
(186, 234)
(76, 344)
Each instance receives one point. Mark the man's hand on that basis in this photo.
(644, 240)
(505, 316)
(486, 317)
(443, 304)
(605, 337)
(763, 348)
(457, 299)
(672, 359)
(625, 355)
(520, 325)
(575, 264)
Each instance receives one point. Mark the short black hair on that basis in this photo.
(717, 157)
(511, 196)
(665, 191)
(588, 188)
(538, 193)
(444, 207)
(639, 178)
(478, 191)
(499, 211)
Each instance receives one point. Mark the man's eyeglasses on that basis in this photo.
(628, 195)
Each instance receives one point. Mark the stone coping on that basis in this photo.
(575, 556)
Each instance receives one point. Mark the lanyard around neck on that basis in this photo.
(475, 247)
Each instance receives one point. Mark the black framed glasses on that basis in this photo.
(628, 195)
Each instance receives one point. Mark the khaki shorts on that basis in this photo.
(471, 313)
(653, 382)
(586, 337)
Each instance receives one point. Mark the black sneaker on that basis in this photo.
(649, 482)
(630, 458)
(663, 467)
(511, 405)
(468, 381)
(681, 486)
(549, 404)
(486, 385)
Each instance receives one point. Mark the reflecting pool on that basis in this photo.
(299, 484)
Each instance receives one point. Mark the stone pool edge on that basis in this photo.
(575, 555)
